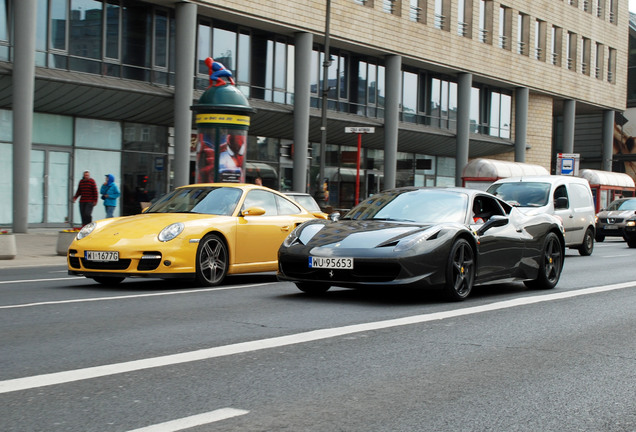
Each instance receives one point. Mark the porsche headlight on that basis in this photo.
(86, 230)
(170, 232)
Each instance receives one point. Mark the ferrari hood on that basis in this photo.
(362, 234)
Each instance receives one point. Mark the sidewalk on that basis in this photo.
(35, 249)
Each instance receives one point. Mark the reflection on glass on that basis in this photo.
(86, 29)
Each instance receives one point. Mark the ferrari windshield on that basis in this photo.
(413, 205)
(522, 194)
(207, 200)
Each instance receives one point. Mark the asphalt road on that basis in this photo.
(258, 355)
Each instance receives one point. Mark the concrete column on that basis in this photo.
(185, 41)
(521, 123)
(23, 92)
(607, 146)
(569, 119)
(464, 90)
(393, 85)
(302, 64)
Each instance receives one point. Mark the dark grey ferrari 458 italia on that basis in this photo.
(451, 238)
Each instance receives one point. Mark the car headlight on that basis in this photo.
(631, 223)
(86, 230)
(411, 241)
(170, 232)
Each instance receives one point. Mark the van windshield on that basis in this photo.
(522, 194)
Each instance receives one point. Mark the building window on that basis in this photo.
(465, 18)
(500, 114)
(540, 39)
(556, 45)
(586, 57)
(613, 11)
(389, 6)
(571, 49)
(600, 60)
(587, 6)
(600, 9)
(442, 14)
(442, 109)
(505, 27)
(485, 21)
(417, 10)
(523, 33)
(611, 66)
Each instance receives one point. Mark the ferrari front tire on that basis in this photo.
(312, 288)
(460, 271)
(212, 261)
(550, 265)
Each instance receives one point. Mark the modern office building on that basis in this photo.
(108, 85)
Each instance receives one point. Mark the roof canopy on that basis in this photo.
(607, 178)
(495, 169)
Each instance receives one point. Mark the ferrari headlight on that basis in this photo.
(303, 233)
(86, 230)
(631, 223)
(170, 232)
(411, 241)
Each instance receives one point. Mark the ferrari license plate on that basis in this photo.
(331, 263)
(103, 256)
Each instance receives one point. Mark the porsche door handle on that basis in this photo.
(285, 228)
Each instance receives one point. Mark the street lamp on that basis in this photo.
(325, 92)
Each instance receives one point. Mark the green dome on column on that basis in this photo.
(226, 98)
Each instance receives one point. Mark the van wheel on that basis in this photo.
(588, 243)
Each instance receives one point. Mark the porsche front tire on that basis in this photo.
(212, 261)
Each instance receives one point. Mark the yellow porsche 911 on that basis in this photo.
(202, 232)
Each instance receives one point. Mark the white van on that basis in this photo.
(569, 198)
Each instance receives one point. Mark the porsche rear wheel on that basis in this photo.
(550, 265)
(108, 281)
(312, 288)
(460, 271)
(212, 261)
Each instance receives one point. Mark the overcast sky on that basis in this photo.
(632, 6)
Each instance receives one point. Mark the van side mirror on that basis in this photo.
(561, 203)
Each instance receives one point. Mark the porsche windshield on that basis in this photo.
(419, 205)
(207, 200)
(522, 194)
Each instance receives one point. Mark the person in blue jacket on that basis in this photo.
(110, 193)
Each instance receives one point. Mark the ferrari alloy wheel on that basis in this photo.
(312, 288)
(212, 261)
(108, 281)
(550, 265)
(588, 243)
(460, 271)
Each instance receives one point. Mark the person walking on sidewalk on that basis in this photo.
(87, 193)
(110, 193)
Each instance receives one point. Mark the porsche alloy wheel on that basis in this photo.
(460, 271)
(212, 261)
(550, 265)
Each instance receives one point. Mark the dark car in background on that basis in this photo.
(452, 238)
(610, 221)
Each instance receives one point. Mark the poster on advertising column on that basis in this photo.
(221, 155)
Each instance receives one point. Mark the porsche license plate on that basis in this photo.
(103, 256)
(331, 263)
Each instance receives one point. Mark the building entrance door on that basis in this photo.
(49, 187)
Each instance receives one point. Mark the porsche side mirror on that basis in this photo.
(253, 211)
(561, 203)
(494, 221)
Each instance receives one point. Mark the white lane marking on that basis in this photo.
(615, 256)
(193, 421)
(38, 280)
(133, 296)
(314, 335)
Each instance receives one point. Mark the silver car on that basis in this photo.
(610, 221)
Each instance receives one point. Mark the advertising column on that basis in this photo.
(222, 118)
